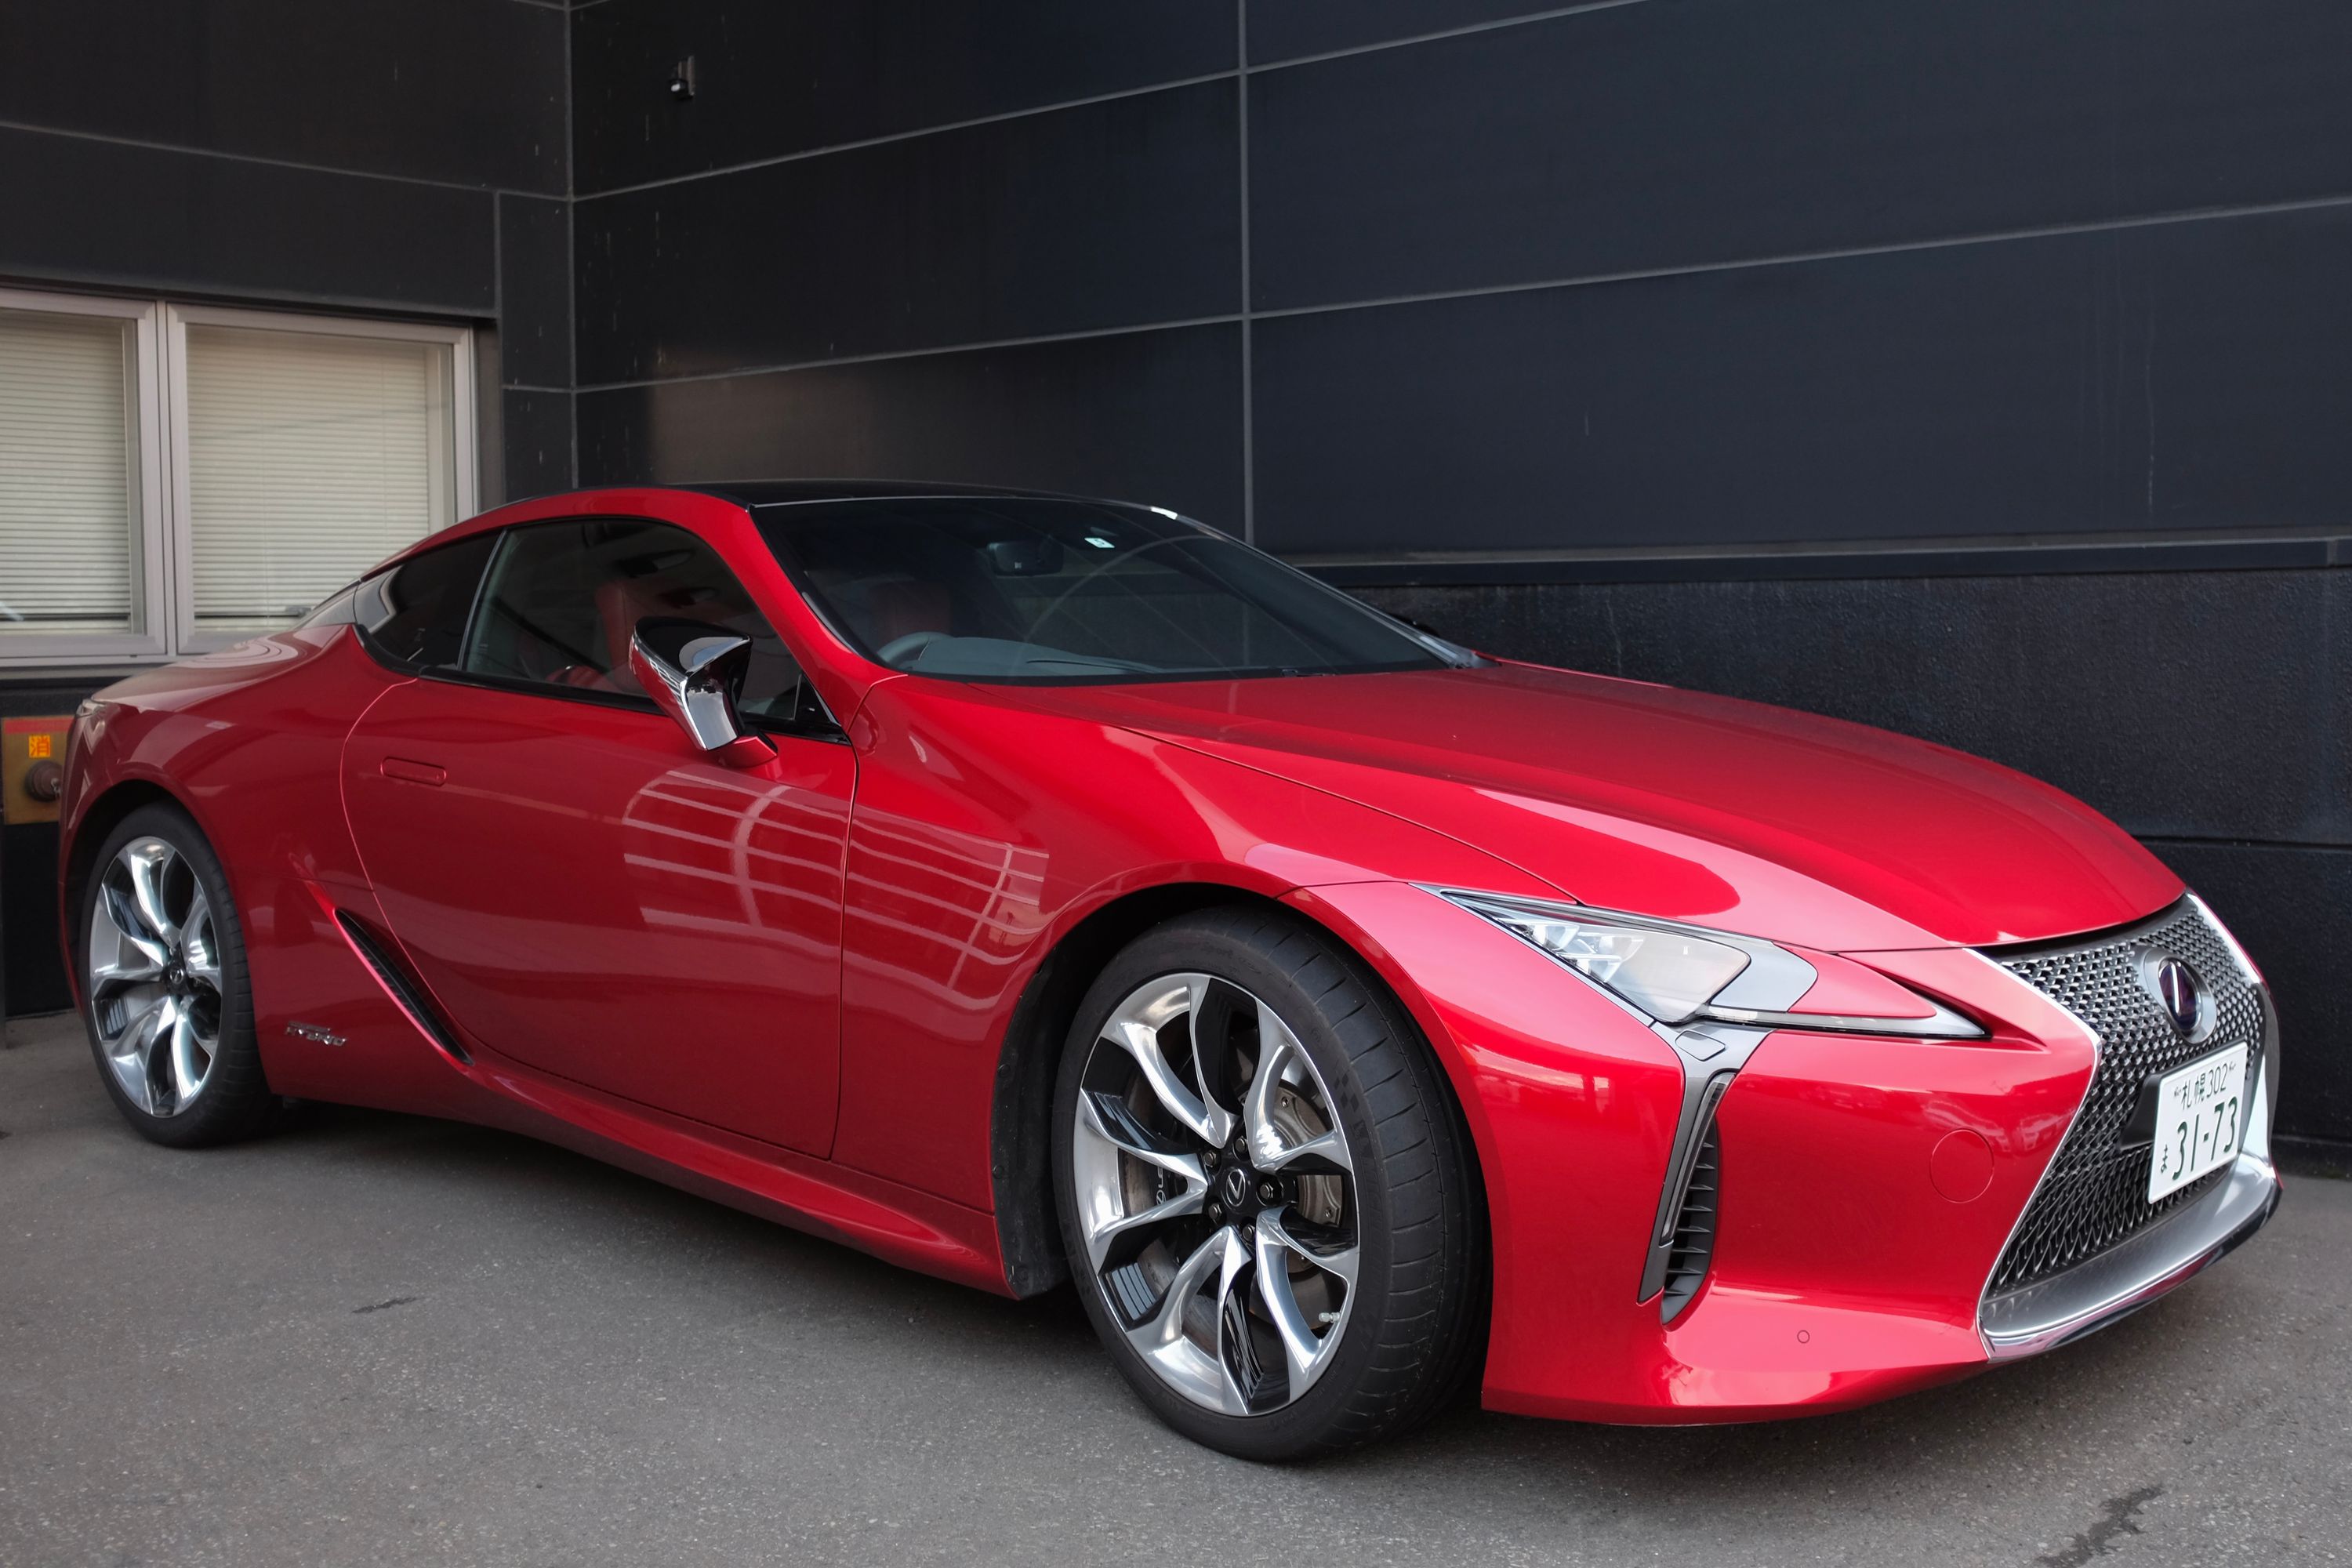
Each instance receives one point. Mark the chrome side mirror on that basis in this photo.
(694, 672)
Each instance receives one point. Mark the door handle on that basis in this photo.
(413, 773)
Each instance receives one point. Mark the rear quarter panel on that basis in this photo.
(249, 743)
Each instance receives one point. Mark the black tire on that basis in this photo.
(1416, 1306)
(234, 1101)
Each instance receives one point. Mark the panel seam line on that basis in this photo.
(804, 155)
(267, 161)
(1892, 247)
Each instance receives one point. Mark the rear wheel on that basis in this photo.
(163, 979)
(1264, 1191)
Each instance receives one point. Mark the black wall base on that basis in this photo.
(32, 973)
(32, 967)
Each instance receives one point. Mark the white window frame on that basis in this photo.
(164, 572)
(145, 408)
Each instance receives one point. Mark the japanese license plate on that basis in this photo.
(2201, 1111)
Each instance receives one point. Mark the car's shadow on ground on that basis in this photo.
(2033, 1413)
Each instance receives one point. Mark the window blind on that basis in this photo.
(311, 457)
(68, 491)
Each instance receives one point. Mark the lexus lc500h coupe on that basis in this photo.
(1025, 889)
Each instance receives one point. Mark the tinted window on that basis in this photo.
(415, 614)
(1046, 590)
(563, 599)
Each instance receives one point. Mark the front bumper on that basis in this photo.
(2126, 1278)
(1867, 1185)
(2121, 1281)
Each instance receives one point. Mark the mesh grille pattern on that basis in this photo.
(2096, 1194)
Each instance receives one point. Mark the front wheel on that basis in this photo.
(1263, 1189)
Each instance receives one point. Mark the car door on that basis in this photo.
(583, 889)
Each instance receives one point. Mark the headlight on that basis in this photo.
(1674, 974)
(1668, 974)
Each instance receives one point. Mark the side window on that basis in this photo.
(563, 599)
(413, 616)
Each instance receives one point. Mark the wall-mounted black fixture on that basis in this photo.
(681, 81)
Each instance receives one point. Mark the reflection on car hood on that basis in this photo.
(1675, 803)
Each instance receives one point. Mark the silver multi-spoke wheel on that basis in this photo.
(1215, 1194)
(154, 989)
(1263, 1187)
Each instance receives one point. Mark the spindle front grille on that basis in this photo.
(2095, 1193)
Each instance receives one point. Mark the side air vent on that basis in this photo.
(405, 989)
(1694, 1243)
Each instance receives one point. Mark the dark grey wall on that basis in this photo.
(404, 156)
(923, 247)
(1981, 370)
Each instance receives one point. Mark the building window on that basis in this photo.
(82, 510)
(174, 477)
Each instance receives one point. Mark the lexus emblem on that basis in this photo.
(1236, 1186)
(2183, 997)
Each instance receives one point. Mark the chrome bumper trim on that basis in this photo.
(2129, 1276)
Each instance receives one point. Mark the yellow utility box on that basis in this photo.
(32, 768)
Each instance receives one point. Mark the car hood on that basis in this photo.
(1675, 803)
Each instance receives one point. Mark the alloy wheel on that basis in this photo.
(156, 977)
(1215, 1194)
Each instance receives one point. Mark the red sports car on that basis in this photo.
(1026, 889)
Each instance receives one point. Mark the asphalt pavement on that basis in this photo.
(380, 1339)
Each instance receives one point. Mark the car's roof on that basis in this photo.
(790, 492)
(749, 494)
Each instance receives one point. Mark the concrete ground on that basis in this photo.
(379, 1340)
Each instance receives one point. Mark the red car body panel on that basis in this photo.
(1707, 809)
(1835, 1138)
(789, 986)
(986, 831)
(570, 884)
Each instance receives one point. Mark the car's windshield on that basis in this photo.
(1011, 589)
